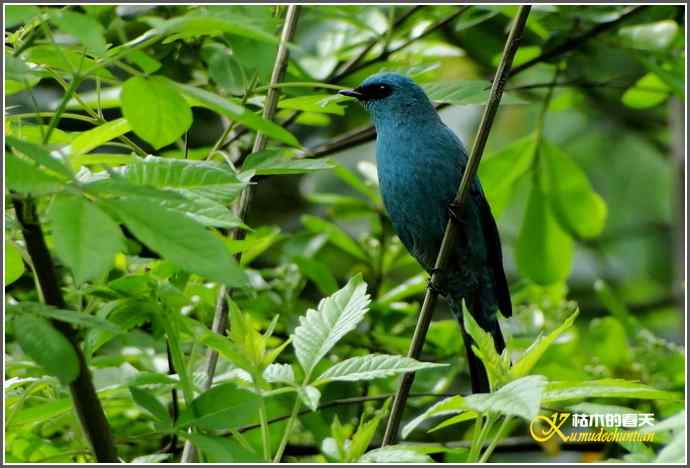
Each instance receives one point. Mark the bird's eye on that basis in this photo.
(377, 91)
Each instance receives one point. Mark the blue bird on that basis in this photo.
(420, 165)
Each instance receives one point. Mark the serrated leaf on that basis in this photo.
(373, 366)
(394, 454)
(203, 178)
(451, 405)
(43, 343)
(319, 103)
(66, 60)
(603, 388)
(279, 373)
(179, 239)
(537, 349)
(485, 349)
(319, 330)
(86, 238)
(520, 397)
(39, 155)
(155, 109)
(310, 396)
(26, 177)
(276, 161)
(464, 92)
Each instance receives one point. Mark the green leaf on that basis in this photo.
(90, 139)
(335, 235)
(464, 92)
(544, 252)
(363, 437)
(394, 454)
(227, 72)
(319, 330)
(66, 60)
(26, 177)
(408, 288)
(18, 14)
(42, 412)
(276, 161)
(144, 61)
(150, 403)
(233, 110)
(648, 91)
(318, 103)
(373, 366)
(317, 272)
(255, 243)
(203, 210)
(279, 373)
(604, 388)
(310, 396)
(80, 319)
(14, 265)
(520, 397)
(451, 405)
(216, 449)
(155, 109)
(86, 238)
(500, 170)
(47, 346)
(654, 36)
(223, 407)
(179, 239)
(607, 341)
(484, 347)
(206, 179)
(198, 25)
(577, 207)
(85, 28)
(537, 349)
(39, 155)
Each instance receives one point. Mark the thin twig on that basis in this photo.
(344, 402)
(452, 229)
(271, 104)
(575, 42)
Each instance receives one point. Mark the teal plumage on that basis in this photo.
(420, 164)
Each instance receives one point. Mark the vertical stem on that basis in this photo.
(265, 439)
(288, 428)
(220, 317)
(489, 450)
(84, 397)
(450, 235)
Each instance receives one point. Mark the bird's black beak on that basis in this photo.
(352, 93)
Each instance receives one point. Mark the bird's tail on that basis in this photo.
(478, 376)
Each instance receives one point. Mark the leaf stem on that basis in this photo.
(451, 231)
(288, 428)
(492, 445)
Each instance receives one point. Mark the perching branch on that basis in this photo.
(86, 403)
(220, 317)
(451, 232)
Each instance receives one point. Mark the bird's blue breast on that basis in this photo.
(419, 172)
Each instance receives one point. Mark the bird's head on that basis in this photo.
(391, 97)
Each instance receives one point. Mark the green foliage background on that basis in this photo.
(132, 129)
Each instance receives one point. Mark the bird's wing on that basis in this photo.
(495, 256)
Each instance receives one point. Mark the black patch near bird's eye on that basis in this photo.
(373, 92)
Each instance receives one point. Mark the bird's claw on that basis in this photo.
(453, 209)
(430, 283)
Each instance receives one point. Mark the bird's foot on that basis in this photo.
(454, 212)
(434, 287)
